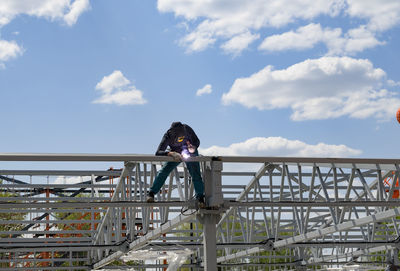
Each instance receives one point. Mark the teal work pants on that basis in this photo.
(168, 167)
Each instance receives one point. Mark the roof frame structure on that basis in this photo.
(287, 212)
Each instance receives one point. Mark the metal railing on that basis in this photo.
(273, 212)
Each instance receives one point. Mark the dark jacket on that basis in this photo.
(176, 138)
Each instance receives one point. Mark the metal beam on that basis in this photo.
(142, 241)
(358, 162)
(296, 202)
(86, 204)
(316, 234)
(339, 227)
(354, 254)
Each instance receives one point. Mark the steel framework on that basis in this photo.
(262, 213)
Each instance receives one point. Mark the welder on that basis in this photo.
(183, 143)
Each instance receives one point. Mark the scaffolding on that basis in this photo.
(58, 213)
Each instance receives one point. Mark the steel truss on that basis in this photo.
(262, 212)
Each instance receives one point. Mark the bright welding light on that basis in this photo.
(185, 154)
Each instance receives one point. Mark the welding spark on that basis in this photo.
(185, 154)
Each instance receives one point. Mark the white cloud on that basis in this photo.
(116, 89)
(381, 15)
(303, 38)
(131, 96)
(328, 87)
(251, 13)
(207, 89)
(393, 83)
(77, 8)
(67, 11)
(306, 37)
(198, 40)
(231, 22)
(234, 20)
(113, 81)
(279, 146)
(239, 42)
(9, 50)
(357, 40)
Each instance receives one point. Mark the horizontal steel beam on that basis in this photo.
(36, 262)
(327, 162)
(149, 266)
(104, 204)
(117, 173)
(358, 253)
(29, 249)
(72, 157)
(114, 173)
(228, 159)
(48, 268)
(36, 211)
(35, 199)
(18, 241)
(50, 232)
(392, 203)
(83, 246)
(127, 204)
(66, 221)
(163, 246)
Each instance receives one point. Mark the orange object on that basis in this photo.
(398, 115)
(388, 181)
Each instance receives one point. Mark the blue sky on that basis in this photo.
(280, 78)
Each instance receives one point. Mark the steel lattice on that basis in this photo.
(262, 213)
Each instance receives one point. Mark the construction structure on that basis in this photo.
(71, 212)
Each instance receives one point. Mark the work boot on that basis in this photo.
(201, 202)
(150, 197)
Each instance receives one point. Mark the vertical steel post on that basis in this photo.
(213, 184)
(214, 199)
(396, 251)
(93, 215)
(210, 242)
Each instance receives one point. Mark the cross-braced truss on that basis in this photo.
(262, 213)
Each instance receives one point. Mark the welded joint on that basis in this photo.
(193, 204)
(129, 164)
(124, 246)
(201, 217)
(396, 243)
(211, 211)
(268, 244)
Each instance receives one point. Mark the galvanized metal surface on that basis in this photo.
(274, 212)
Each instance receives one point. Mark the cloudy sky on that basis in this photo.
(252, 77)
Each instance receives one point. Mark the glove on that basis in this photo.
(177, 157)
(191, 148)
